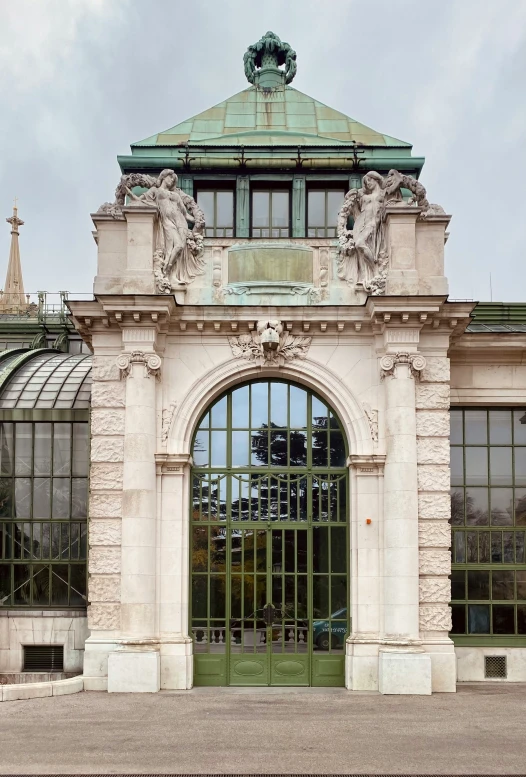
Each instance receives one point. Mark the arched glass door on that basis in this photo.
(269, 540)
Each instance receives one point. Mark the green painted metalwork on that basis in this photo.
(298, 206)
(488, 517)
(269, 546)
(262, 61)
(24, 357)
(43, 514)
(242, 206)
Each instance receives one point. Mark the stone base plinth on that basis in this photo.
(404, 673)
(134, 671)
(177, 665)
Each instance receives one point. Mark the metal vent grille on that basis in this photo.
(495, 666)
(43, 658)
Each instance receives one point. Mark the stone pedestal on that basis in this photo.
(404, 673)
(134, 671)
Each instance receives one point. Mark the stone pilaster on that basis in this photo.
(403, 667)
(434, 530)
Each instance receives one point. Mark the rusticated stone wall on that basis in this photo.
(434, 509)
(105, 513)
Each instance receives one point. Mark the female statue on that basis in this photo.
(180, 247)
(360, 248)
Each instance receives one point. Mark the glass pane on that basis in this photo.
(278, 448)
(519, 427)
(500, 466)
(42, 449)
(298, 449)
(21, 592)
(502, 584)
(457, 466)
(338, 592)
(205, 200)
(199, 596)
(334, 204)
(298, 408)
(278, 404)
(478, 619)
(500, 427)
(316, 209)
(459, 547)
(320, 549)
(520, 466)
(41, 498)
(40, 585)
(521, 583)
(456, 432)
(320, 604)
(501, 507)
(5, 584)
(59, 584)
(217, 596)
(77, 595)
(200, 450)
(478, 584)
(61, 449)
(80, 450)
(503, 619)
(458, 584)
(79, 498)
(239, 448)
(23, 452)
(225, 209)
(6, 449)
(259, 405)
(219, 414)
(280, 209)
(259, 448)
(476, 466)
(240, 406)
(457, 506)
(477, 509)
(218, 457)
(458, 617)
(22, 498)
(338, 549)
(476, 422)
(521, 619)
(319, 448)
(337, 452)
(61, 488)
(319, 414)
(260, 209)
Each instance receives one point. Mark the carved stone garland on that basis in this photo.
(151, 363)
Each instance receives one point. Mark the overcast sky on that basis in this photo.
(82, 79)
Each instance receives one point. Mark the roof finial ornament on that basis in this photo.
(262, 62)
(14, 220)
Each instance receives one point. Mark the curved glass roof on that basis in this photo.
(45, 379)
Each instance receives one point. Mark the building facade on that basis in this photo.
(275, 368)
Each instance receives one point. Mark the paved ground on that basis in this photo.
(481, 729)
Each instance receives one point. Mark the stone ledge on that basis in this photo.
(21, 691)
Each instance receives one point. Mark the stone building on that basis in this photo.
(275, 366)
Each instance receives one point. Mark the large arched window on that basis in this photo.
(269, 535)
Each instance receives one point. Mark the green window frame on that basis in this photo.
(488, 525)
(323, 206)
(218, 207)
(43, 513)
(270, 212)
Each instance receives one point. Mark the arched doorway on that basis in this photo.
(269, 539)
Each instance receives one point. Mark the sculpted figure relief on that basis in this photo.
(178, 254)
(363, 250)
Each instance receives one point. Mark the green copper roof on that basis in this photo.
(272, 117)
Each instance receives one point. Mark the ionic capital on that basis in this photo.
(150, 362)
(389, 363)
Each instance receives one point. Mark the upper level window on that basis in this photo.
(218, 207)
(270, 213)
(323, 206)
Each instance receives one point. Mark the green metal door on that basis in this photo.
(269, 544)
(269, 624)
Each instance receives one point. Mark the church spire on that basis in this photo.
(13, 299)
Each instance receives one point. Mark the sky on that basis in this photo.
(82, 79)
